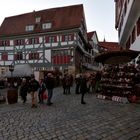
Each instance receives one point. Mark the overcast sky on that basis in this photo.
(100, 14)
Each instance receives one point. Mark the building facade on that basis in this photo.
(128, 23)
(47, 39)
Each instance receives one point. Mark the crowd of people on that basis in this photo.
(40, 90)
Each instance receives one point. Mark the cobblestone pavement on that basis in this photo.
(67, 119)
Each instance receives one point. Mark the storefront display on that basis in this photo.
(119, 78)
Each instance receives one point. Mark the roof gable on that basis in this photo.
(61, 18)
(110, 46)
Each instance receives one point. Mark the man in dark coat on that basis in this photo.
(49, 81)
(23, 90)
(34, 86)
(83, 88)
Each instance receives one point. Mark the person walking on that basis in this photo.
(83, 88)
(34, 86)
(77, 82)
(41, 91)
(49, 81)
(23, 90)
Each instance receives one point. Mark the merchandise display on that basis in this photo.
(119, 80)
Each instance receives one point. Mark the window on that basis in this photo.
(50, 39)
(33, 56)
(19, 42)
(38, 19)
(29, 28)
(46, 25)
(4, 42)
(34, 40)
(18, 56)
(69, 37)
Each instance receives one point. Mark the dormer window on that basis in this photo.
(29, 28)
(38, 19)
(46, 25)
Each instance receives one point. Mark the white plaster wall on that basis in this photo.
(136, 44)
(48, 55)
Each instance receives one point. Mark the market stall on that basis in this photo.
(119, 78)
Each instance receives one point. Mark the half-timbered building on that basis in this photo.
(46, 39)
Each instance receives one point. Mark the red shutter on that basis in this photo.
(7, 42)
(53, 60)
(55, 38)
(15, 42)
(57, 59)
(30, 40)
(36, 55)
(15, 56)
(4, 56)
(37, 40)
(46, 39)
(63, 38)
(29, 56)
(65, 59)
(23, 42)
(72, 37)
(1, 43)
(61, 59)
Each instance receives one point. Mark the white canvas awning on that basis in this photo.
(20, 71)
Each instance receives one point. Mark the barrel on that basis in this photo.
(12, 95)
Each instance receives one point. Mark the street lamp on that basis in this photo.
(11, 69)
(12, 93)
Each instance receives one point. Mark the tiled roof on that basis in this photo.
(90, 34)
(61, 18)
(110, 46)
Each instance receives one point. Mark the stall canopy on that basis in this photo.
(116, 57)
(20, 71)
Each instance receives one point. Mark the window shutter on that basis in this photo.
(63, 38)
(22, 42)
(47, 39)
(30, 40)
(4, 56)
(37, 40)
(15, 57)
(7, 42)
(29, 56)
(55, 38)
(15, 42)
(72, 37)
(1, 43)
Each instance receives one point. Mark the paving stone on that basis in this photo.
(67, 119)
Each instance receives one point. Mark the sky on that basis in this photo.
(99, 14)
